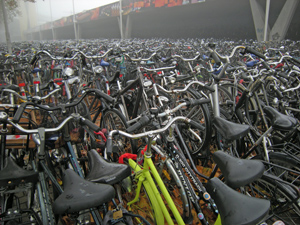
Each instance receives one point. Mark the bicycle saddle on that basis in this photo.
(238, 172)
(12, 174)
(105, 172)
(80, 194)
(234, 207)
(103, 63)
(280, 121)
(229, 130)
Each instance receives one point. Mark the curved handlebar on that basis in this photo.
(74, 56)
(62, 107)
(4, 118)
(185, 59)
(33, 97)
(184, 89)
(151, 132)
(139, 59)
(231, 55)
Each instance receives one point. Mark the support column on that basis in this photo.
(121, 28)
(79, 31)
(54, 34)
(128, 28)
(121, 20)
(283, 21)
(258, 15)
(279, 30)
(40, 34)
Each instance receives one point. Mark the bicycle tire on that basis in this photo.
(200, 114)
(113, 119)
(250, 105)
(225, 96)
(286, 161)
(279, 195)
(175, 187)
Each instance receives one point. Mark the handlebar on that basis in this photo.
(4, 119)
(147, 119)
(61, 107)
(258, 54)
(184, 59)
(139, 59)
(158, 69)
(35, 98)
(66, 58)
(225, 57)
(184, 89)
(109, 144)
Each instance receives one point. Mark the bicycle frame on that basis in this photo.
(147, 180)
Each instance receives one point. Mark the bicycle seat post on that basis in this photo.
(148, 153)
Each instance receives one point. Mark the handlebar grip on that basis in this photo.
(109, 145)
(222, 72)
(184, 78)
(296, 61)
(90, 124)
(197, 125)
(209, 88)
(252, 51)
(168, 59)
(266, 65)
(193, 102)
(83, 60)
(105, 96)
(33, 60)
(279, 94)
(216, 58)
(19, 112)
(138, 125)
(198, 57)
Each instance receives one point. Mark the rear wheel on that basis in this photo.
(283, 198)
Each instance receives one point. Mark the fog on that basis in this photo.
(154, 18)
(63, 8)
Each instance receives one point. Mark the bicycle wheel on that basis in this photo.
(283, 198)
(226, 99)
(196, 139)
(112, 119)
(284, 163)
(250, 107)
(173, 183)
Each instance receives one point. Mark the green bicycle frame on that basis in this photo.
(145, 178)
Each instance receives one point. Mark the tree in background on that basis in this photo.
(8, 10)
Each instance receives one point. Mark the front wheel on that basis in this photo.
(112, 119)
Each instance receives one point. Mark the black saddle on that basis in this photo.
(238, 172)
(80, 194)
(105, 172)
(12, 174)
(229, 130)
(280, 121)
(234, 207)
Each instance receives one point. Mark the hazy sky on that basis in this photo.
(62, 8)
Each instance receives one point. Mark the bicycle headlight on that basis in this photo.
(68, 71)
(98, 69)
